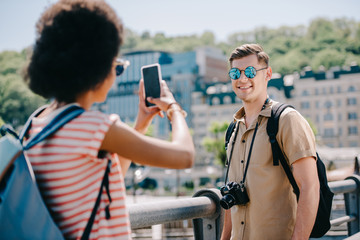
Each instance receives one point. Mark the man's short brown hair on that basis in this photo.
(247, 50)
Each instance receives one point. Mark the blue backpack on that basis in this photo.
(23, 213)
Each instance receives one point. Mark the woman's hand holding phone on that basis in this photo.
(166, 97)
(145, 114)
(154, 95)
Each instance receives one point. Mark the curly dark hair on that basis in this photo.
(76, 44)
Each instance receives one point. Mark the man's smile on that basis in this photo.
(244, 87)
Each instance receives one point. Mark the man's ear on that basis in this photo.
(268, 73)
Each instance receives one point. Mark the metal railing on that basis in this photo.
(350, 187)
(207, 215)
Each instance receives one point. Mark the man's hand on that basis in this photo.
(226, 233)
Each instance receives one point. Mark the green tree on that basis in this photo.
(11, 62)
(216, 143)
(208, 38)
(17, 102)
(1, 122)
(328, 58)
(290, 62)
(312, 126)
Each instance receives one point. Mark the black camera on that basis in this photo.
(233, 194)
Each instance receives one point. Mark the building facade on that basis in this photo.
(181, 71)
(199, 81)
(331, 100)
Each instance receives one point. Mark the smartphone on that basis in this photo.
(152, 76)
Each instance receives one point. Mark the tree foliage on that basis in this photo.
(216, 142)
(323, 43)
(17, 102)
(336, 42)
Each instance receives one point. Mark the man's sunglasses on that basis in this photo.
(121, 65)
(250, 72)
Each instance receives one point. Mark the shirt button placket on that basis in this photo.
(242, 226)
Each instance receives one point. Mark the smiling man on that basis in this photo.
(270, 209)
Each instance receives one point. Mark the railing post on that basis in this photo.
(352, 206)
(210, 227)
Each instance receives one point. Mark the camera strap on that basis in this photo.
(249, 155)
(250, 150)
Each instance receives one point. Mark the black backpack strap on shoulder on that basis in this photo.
(228, 133)
(288, 173)
(104, 183)
(272, 129)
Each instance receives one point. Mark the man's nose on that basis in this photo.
(242, 77)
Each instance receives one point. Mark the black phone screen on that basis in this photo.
(152, 83)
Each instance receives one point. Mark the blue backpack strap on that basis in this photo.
(7, 128)
(28, 122)
(60, 120)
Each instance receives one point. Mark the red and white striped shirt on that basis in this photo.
(69, 174)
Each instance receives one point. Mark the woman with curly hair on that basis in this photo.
(75, 63)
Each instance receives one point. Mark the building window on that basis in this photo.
(328, 104)
(331, 90)
(339, 102)
(328, 132)
(202, 115)
(339, 89)
(352, 116)
(340, 132)
(353, 130)
(339, 117)
(328, 117)
(351, 101)
(238, 100)
(317, 104)
(215, 101)
(305, 105)
(227, 100)
(305, 93)
(316, 91)
(351, 89)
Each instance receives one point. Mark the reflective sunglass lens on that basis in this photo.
(234, 73)
(119, 70)
(250, 72)
(121, 66)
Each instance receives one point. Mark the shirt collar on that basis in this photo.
(266, 112)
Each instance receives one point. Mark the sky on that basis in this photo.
(181, 17)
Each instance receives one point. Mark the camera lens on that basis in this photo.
(227, 201)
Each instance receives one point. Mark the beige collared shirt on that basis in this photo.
(271, 212)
